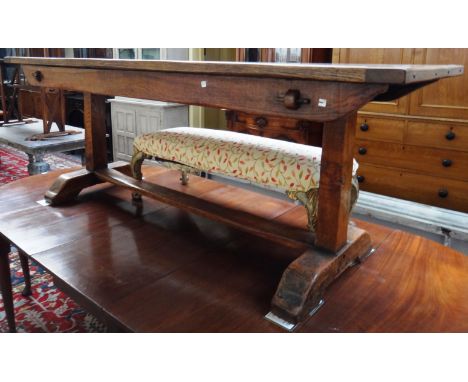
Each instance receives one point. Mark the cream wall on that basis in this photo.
(204, 116)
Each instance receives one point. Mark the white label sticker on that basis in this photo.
(204, 84)
(322, 102)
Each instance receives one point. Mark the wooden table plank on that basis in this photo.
(392, 74)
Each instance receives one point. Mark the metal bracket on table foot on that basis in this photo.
(290, 326)
(43, 202)
(360, 259)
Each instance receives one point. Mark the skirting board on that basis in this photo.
(411, 214)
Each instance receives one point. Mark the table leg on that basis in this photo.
(95, 131)
(27, 276)
(5, 284)
(335, 183)
(68, 186)
(337, 245)
(36, 164)
(2, 93)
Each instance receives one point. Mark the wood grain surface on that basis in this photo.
(388, 74)
(157, 268)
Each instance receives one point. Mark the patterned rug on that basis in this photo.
(14, 163)
(47, 310)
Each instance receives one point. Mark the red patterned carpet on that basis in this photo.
(48, 310)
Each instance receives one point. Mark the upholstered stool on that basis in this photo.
(283, 166)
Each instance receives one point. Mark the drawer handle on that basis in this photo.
(443, 193)
(261, 122)
(450, 136)
(362, 150)
(446, 162)
(364, 127)
(361, 178)
(293, 100)
(37, 75)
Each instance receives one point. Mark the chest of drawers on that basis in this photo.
(417, 160)
(415, 148)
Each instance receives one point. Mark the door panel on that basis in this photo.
(377, 56)
(448, 97)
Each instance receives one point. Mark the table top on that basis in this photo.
(163, 269)
(388, 74)
(16, 135)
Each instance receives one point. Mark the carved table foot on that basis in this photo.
(67, 186)
(300, 291)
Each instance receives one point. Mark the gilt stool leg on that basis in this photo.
(184, 178)
(135, 166)
(309, 200)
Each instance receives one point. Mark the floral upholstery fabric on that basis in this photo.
(276, 164)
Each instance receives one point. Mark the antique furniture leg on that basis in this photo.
(335, 183)
(309, 200)
(53, 109)
(337, 245)
(36, 164)
(69, 185)
(5, 284)
(184, 177)
(11, 107)
(135, 166)
(27, 276)
(2, 93)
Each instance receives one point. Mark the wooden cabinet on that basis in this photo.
(415, 148)
(444, 99)
(378, 56)
(287, 129)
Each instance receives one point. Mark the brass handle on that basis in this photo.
(450, 136)
(446, 162)
(362, 150)
(292, 99)
(443, 193)
(364, 127)
(37, 75)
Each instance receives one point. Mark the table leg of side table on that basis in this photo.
(2, 94)
(5, 284)
(27, 276)
(37, 165)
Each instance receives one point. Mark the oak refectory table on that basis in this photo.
(328, 94)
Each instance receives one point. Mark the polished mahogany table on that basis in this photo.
(153, 267)
(326, 94)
